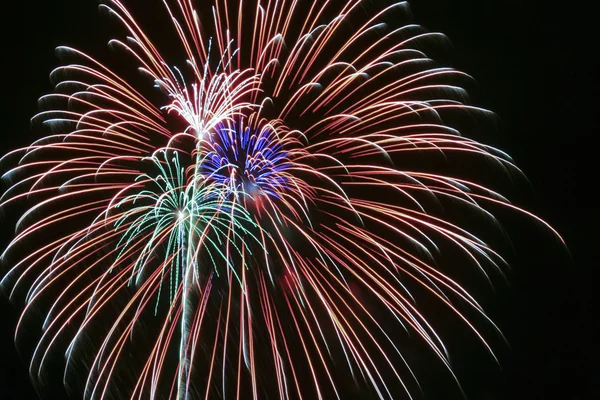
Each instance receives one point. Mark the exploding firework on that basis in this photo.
(277, 242)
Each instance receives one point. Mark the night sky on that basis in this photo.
(535, 67)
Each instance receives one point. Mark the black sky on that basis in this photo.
(535, 67)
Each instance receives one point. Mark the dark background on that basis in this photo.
(535, 67)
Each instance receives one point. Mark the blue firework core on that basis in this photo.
(248, 161)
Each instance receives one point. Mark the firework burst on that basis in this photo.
(269, 246)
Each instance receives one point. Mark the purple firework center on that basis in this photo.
(251, 163)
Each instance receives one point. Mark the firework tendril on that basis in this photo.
(277, 240)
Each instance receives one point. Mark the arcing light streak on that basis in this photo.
(291, 215)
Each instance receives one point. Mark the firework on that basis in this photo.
(268, 247)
